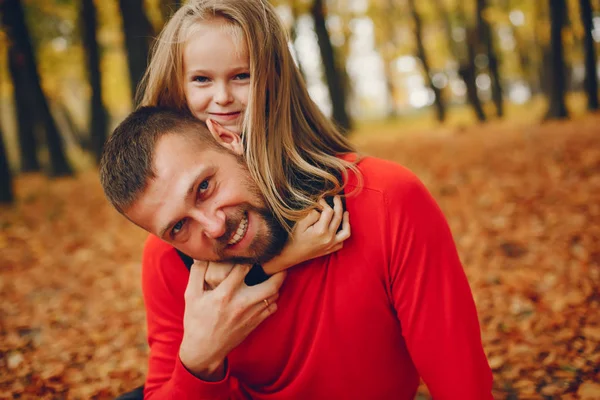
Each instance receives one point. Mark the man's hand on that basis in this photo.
(216, 273)
(216, 321)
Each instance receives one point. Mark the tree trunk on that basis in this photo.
(439, 102)
(13, 20)
(387, 54)
(485, 34)
(465, 56)
(138, 33)
(557, 107)
(25, 118)
(6, 189)
(335, 81)
(98, 114)
(168, 8)
(591, 77)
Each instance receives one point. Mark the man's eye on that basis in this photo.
(177, 227)
(200, 79)
(203, 187)
(243, 76)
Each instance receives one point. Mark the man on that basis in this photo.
(365, 322)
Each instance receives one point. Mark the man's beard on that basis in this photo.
(264, 246)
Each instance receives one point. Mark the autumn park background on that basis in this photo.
(493, 103)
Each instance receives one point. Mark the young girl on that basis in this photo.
(227, 62)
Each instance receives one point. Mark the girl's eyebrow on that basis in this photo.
(234, 69)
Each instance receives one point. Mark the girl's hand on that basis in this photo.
(313, 236)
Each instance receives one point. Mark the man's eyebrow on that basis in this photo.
(187, 195)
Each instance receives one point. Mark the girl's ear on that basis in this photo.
(226, 138)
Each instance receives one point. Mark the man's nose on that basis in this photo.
(223, 95)
(213, 223)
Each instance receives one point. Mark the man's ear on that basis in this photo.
(226, 138)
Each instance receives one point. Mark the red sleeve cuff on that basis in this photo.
(196, 388)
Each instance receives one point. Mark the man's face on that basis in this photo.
(204, 202)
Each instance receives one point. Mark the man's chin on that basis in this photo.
(260, 256)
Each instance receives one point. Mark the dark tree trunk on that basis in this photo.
(98, 114)
(439, 102)
(557, 107)
(138, 34)
(335, 81)
(25, 118)
(13, 20)
(485, 34)
(6, 189)
(465, 55)
(168, 8)
(591, 77)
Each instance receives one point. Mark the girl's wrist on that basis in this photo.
(276, 264)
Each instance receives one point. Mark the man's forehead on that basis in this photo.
(172, 147)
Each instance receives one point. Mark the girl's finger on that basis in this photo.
(325, 219)
(338, 214)
(308, 221)
(345, 232)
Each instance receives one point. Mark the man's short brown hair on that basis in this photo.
(126, 165)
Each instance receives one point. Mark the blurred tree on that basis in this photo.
(168, 8)
(557, 107)
(466, 59)
(487, 41)
(591, 77)
(421, 53)
(524, 56)
(6, 189)
(138, 34)
(294, 35)
(13, 20)
(543, 40)
(25, 118)
(388, 50)
(335, 80)
(98, 115)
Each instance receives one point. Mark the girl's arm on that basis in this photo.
(316, 235)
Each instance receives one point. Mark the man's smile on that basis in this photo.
(240, 231)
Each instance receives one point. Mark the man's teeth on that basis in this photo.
(241, 231)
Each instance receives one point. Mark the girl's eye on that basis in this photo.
(177, 228)
(243, 76)
(200, 79)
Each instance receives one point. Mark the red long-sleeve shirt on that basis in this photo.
(362, 323)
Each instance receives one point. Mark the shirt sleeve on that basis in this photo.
(164, 279)
(432, 297)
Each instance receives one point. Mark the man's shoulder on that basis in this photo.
(162, 268)
(159, 254)
(154, 247)
(387, 177)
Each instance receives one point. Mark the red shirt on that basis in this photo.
(363, 323)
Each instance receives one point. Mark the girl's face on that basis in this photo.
(216, 74)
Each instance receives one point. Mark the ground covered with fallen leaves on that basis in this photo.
(523, 202)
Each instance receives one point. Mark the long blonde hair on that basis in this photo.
(291, 148)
